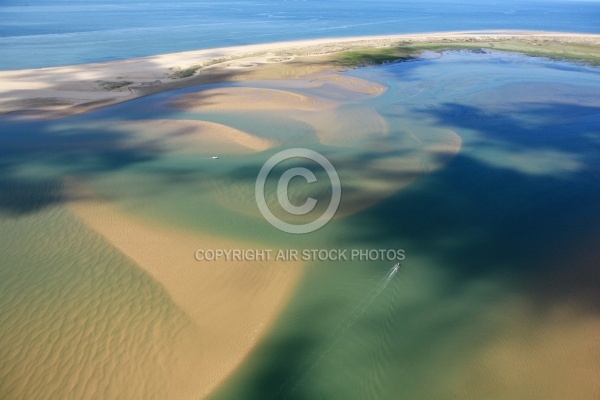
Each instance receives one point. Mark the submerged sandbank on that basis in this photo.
(421, 150)
(190, 136)
(244, 98)
(232, 303)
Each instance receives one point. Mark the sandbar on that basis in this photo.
(190, 136)
(232, 303)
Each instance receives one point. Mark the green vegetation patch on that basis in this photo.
(362, 58)
(586, 53)
(177, 73)
(113, 85)
(575, 52)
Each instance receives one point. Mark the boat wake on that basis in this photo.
(339, 331)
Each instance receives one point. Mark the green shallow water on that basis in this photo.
(80, 320)
(494, 235)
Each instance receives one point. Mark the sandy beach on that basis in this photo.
(62, 91)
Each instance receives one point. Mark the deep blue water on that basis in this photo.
(47, 33)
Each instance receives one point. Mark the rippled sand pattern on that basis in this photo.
(81, 321)
(231, 303)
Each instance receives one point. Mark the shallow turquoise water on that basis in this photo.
(498, 225)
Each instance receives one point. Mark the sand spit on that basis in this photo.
(62, 91)
(191, 136)
(232, 303)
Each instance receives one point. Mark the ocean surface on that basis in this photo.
(39, 33)
(497, 296)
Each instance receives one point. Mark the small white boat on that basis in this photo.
(215, 157)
